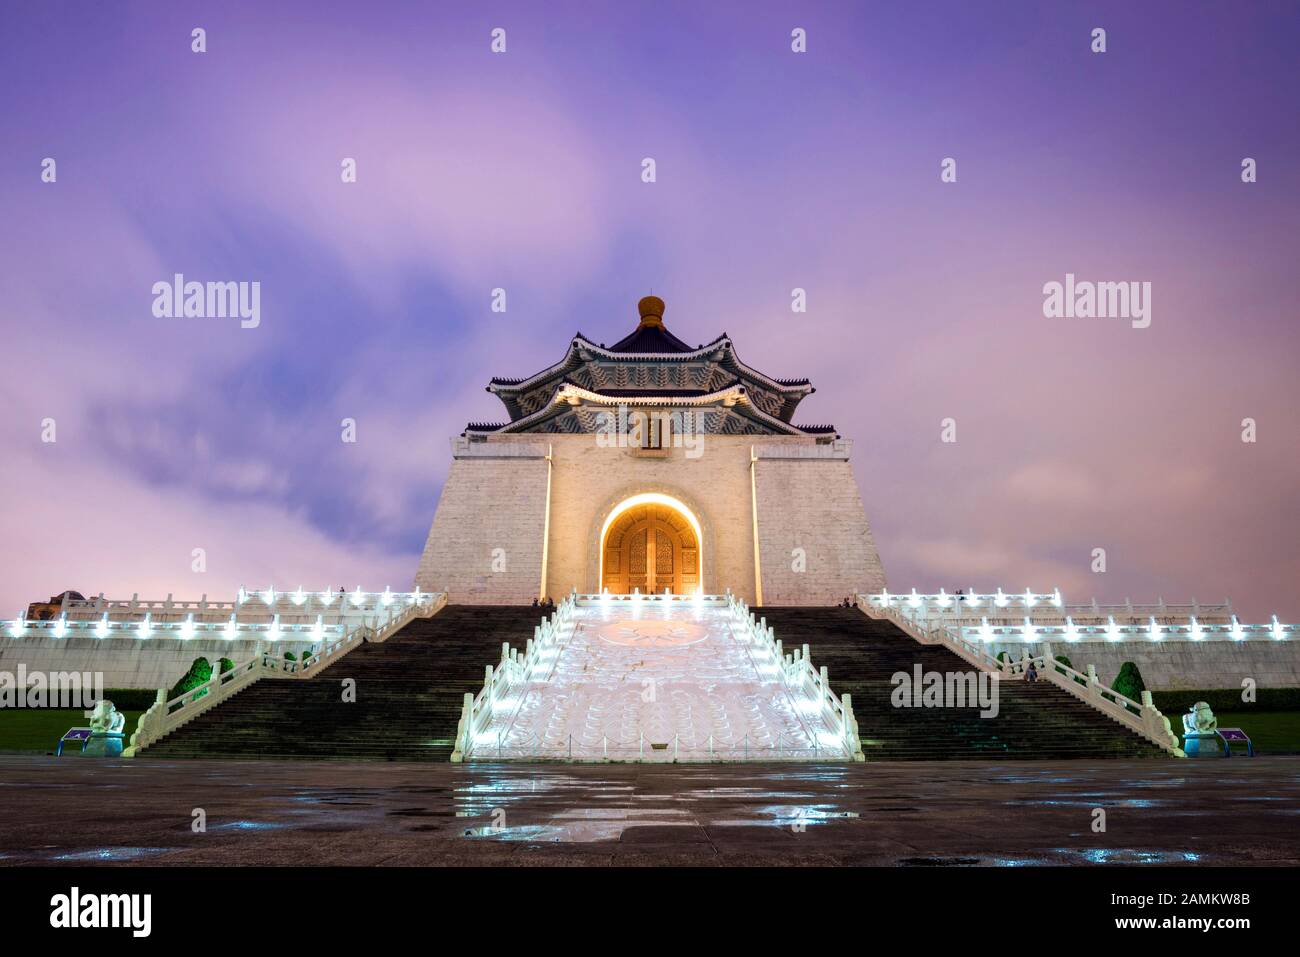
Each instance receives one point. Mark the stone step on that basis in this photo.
(861, 654)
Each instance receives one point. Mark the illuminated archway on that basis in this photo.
(650, 542)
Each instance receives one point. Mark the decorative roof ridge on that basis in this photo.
(737, 391)
(567, 388)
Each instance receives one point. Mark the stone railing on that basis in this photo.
(517, 668)
(268, 615)
(1143, 718)
(463, 448)
(166, 715)
(798, 674)
(836, 449)
(1037, 617)
(513, 670)
(188, 628)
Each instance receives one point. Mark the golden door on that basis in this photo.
(651, 547)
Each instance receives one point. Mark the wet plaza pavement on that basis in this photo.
(80, 811)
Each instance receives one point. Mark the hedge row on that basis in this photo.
(1227, 699)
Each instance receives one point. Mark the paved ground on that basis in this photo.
(79, 811)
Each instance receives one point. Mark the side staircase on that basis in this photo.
(1035, 720)
(408, 696)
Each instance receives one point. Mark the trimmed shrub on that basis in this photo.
(131, 699)
(1129, 681)
(199, 674)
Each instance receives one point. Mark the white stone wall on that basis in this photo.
(590, 481)
(127, 662)
(489, 503)
(813, 505)
(1169, 665)
(495, 497)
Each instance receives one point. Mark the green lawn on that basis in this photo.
(1270, 731)
(39, 729)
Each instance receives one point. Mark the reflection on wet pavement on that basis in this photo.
(951, 814)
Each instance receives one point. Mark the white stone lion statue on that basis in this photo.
(106, 719)
(1200, 720)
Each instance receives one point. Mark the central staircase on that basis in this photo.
(1035, 720)
(409, 692)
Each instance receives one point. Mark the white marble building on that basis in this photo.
(648, 465)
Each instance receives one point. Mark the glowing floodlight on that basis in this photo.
(1071, 630)
(274, 633)
(1000, 599)
(358, 596)
(269, 595)
(243, 595)
(101, 630)
(1056, 598)
(232, 629)
(1238, 633)
(944, 599)
(18, 625)
(636, 601)
(1278, 631)
(986, 633)
(1154, 627)
(884, 597)
(1112, 630)
(915, 599)
(973, 599)
(187, 627)
(146, 625)
(699, 597)
(604, 598)
(387, 598)
(61, 626)
(1197, 631)
(415, 596)
(1029, 633)
(299, 596)
(1030, 600)
(318, 632)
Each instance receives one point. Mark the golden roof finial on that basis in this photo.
(651, 309)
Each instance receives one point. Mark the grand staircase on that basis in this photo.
(409, 692)
(1035, 720)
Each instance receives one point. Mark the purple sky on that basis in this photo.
(775, 171)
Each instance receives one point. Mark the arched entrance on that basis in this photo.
(650, 542)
